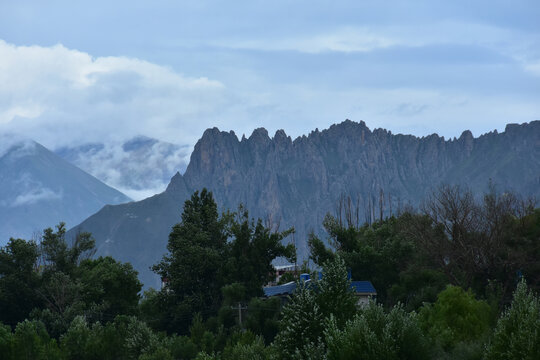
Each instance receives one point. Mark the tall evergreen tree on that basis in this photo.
(192, 267)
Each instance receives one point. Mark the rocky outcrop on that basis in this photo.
(296, 182)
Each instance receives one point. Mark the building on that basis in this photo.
(363, 290)
(280, 270)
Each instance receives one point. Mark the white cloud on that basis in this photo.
(348, 39)
(36, 195)
(512, 43)
(17, 145)
(139, 168)
(60, 96)
(533, 68)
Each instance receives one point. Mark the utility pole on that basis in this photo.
(295, 255)
(240, 308)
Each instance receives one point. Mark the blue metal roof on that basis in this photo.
(288, 288)
(363, 287)
(284, 289)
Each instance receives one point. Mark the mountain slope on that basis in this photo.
(38, 189)
(295, 183)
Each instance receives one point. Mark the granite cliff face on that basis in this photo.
(295, 183)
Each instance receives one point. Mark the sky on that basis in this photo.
(74, 72)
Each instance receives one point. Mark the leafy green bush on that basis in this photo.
(456, 317)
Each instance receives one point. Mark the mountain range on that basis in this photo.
(296, 182)
(38, 189)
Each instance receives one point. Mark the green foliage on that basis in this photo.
(517, 334)
(253, 349)
(456, 317)
(318, 251)
(194, 263)
(31, 342)
(417, 285)
(381, 253)
(304, 317)
(124, 338)
(59, 256)
(374, 334)
(182, 347)
(454, 239)
(301, 325)
(205, 273)
(18, 280)
(334, 294)
(6, 339)
(99, 289)
(263, 317)
(251, 251)
(110, 283)
(217, 262)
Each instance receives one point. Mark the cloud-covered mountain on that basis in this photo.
(140, 167)
(297, 182)
(38, 189)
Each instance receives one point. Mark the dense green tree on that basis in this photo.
(382, 253)
(18, 280)
(59, 256)
(193, 266)
(61, 295)
(517, 334)
(251, 251)
(6, 340)
(309, 309)
(124, 338)
(32, 342)
(207, 252)
(263, 317)
(333, 292)
(112, 285)
(457, 320)
(302, 324)
(374, 334)
(252, 349)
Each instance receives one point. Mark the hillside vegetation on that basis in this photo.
(456, 279)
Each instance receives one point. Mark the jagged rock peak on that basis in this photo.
(259, 134)
(211, 134)
(281, 137)
(466, 135)
(177, 181)
(280, 134)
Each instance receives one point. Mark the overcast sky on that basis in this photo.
(74, 72)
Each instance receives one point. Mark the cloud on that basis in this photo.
(36, 195)
(349, 39)
(533, 68)
(508, 42)
(15, 146)
(62, 96)
(139, 168)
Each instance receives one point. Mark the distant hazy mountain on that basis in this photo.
(140, 167)
(298, 182)
(38, 189)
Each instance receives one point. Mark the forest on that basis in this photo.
(457, 278)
